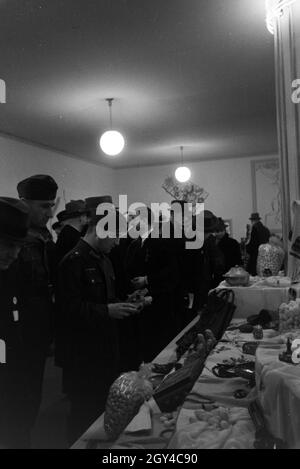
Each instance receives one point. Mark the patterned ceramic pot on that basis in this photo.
(270, 259)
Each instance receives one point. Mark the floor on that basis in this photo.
(50, 429)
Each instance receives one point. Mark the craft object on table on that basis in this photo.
(289, 316)
(126, 396)
(270, 259)
(237, 276)
(218, 428)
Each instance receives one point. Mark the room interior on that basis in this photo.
(175, 79)
(197, 74)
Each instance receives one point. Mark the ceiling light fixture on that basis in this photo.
(111, 142)
(275, 10)
(182, 174)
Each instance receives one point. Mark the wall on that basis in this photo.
(227, 181)
(76, 179)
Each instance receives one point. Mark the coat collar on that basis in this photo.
(87, 250)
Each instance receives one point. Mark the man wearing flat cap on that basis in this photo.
(89, 310)
(13, 231)
(259, 235)
(35, 283)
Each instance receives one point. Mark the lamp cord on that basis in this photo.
(181, 149)
(110, 100)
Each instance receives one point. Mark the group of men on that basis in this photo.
(107, 302)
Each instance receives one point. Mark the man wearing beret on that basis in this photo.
(35, 283)
(89, 310)
(13, 231)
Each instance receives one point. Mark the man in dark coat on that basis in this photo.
(229, 247)
(75, 218)
(208, 263)
(35, 284)
(128, 332)
(199, 267)
(89, 311)
(13, 391)
(152, 264)
(259, 235)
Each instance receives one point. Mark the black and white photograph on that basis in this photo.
(149, 227)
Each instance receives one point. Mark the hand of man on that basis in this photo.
(139, 282)
(147, 301)
(121, 310)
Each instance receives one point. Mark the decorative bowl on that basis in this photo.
(237, 276)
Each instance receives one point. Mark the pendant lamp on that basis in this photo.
(111, 142)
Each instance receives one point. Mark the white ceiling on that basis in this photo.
(197, 73)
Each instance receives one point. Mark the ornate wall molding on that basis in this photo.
(283, 20)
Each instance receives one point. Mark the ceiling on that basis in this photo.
(197, 73)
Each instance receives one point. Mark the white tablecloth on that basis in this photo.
(251, 300)
(278, 386)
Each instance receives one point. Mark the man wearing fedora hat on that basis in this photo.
(229, 247)
(259, 235)
(74, 218)
(89, 310)
(13, 232)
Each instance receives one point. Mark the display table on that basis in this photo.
(208, 388)
(96, 431)
(280, 403)
(251, 300)
(278, 386)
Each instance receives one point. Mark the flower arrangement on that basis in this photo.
(190, 192)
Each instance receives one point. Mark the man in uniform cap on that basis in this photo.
(35, 283)
(13, 231)
(259, 235)
(89, 309)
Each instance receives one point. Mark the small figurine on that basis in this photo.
(286, 356)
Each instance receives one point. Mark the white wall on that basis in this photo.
(76, 179)
(227, 181)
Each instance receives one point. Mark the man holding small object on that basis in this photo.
(89, 310)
